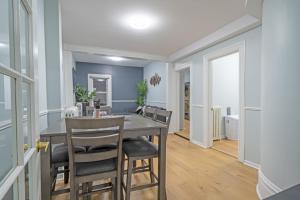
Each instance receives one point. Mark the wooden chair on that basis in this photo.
(95, 164)
(106, 109)
(60, 159)
(149, 112)
(142, 149)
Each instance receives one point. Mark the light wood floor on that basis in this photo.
(194, 173)
(186, 129)
(226, 146)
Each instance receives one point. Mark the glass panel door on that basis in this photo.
(8, 132)
(17, 153)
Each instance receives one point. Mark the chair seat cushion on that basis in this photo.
(101, 148)
(139, 147)
(60, 152)
(88, 168)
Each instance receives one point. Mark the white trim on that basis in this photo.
(197, 105)
(238, 47)
(199, 144)
(5, 187)
(258, 193)
(111, 52)
(182, 66)
(123, 101)
(234, 28)
(43, 112)
(265, 187)
(159, 102)
(55, 110)
(252, 108)
(252, 164)
(28, 155)
(178, 67)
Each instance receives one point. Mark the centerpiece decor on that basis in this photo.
(84, 97)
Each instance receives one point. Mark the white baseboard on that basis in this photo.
(198, 143)
(252, 164)
(265, 187)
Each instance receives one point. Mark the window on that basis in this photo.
(101, 84)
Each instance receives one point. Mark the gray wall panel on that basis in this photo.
(124, 80)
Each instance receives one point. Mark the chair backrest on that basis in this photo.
(106, 109)
(150, 112)
(163, 116)
(94, 132)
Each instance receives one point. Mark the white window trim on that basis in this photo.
(109, 85)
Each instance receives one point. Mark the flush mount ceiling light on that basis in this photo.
(3, 44)
(115, 58)
(140, 21)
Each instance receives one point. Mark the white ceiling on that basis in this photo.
(98, 23)
(94, 58)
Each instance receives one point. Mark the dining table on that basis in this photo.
(134, 126)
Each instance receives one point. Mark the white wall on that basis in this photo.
(225, 85)
(156, 95)
(252, 40)
(41, 66)
(54, 69)
(280, 141)
(68, 65)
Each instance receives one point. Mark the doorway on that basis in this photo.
(224, 101)
(184, 104)
(219, 115)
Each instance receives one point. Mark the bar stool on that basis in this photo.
(60, 158)
(142, 149)
(99, 163)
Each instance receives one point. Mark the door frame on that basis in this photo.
(207, 88)
(178, 69)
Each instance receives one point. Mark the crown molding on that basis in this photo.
(111, 52)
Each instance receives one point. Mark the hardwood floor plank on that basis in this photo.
(226, 146)
(195, 173)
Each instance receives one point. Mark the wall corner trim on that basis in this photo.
(265, 187)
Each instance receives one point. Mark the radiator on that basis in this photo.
(216, 122)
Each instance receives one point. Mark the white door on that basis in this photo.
(101, 84)
(19, 172)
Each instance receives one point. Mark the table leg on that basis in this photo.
(45, 173)
(162, 164)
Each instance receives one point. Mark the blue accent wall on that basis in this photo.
(124, 80)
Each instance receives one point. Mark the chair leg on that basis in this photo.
(134, 164)
(122, 176)
(113, 191)
(73, 190)
(66, 174)
(151, 169)
(85, 189)
(129, 175)
(54, 177)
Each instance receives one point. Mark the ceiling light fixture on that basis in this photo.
(140, 21)
(115, 58)
(3, 44)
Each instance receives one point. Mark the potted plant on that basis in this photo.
(84, 97)
(142, 89)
